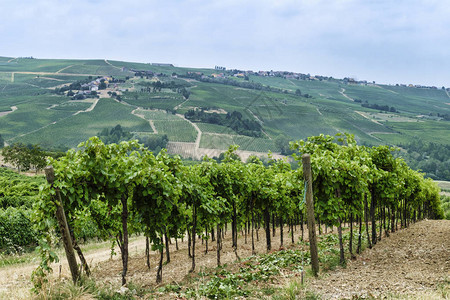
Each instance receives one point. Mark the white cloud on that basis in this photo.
(390, 41)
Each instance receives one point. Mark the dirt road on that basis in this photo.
(413, 262)
(15, 281)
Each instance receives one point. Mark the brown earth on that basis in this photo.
(413, 263)
(178, 269)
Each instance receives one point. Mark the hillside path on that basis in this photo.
(414, 262)
(150, 122)
(199, 132)
(365, 116)
(90, 108)
(49, 73)
(107, 62)
(65, 68)
(342, 92)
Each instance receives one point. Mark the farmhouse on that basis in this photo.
(162, 65)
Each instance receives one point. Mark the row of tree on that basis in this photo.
(233, 120)
(117, 134)
(431, 158)
(386, 108)
(123, 189)
(25, 157)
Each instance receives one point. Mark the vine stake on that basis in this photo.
(63, 227)
(306, 160)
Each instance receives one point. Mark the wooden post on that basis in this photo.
(63, 227)
(306, 161)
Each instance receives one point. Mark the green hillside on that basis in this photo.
(152, 98)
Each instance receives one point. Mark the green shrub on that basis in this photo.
(16, 230)
(445, 205)
(18, 190)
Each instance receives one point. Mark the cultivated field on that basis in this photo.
(49, 119)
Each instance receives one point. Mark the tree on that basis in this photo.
(186, 93)
(37, 158)
(17, 155)
(114, 135)
(2, 142)
(102, 85)
(79, 97)
(282, 143)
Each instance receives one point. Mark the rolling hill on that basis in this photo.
(39, 104)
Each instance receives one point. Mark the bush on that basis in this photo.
(18, 190)
(445, 205)
(16, 230)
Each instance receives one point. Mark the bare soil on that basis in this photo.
(178, 269)
(413, 263)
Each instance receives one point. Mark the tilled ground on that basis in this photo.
(412, 263)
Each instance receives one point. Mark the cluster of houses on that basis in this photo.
(301, 76)
(418, 86)
(95, 84)
(90, 89)
(245, 74)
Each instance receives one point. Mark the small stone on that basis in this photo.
(122, 290)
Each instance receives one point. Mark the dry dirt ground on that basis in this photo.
(15, 280)
(414, 262)
(178, 269)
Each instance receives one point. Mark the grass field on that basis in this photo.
(45, 81)
(107, 114)
(94, 67)
(213, 128)
(161, 100)
(427, 131)
(414, 102)
(223, 142)
(437, 94)
(158, 69)
(32, 113)
(444, 185)
(176, 128)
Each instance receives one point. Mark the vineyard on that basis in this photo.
(17, 195)
(37, 107)
(113, 191)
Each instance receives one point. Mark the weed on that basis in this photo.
(66, 290)
(169, 288)
(294, 290)
(444, 288)
(268, 291)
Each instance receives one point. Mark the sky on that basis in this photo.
(401, 41)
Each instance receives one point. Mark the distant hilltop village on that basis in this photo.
(301, 76)
(224, 73)
(283, 74)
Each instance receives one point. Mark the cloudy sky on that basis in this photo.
(401, 41)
